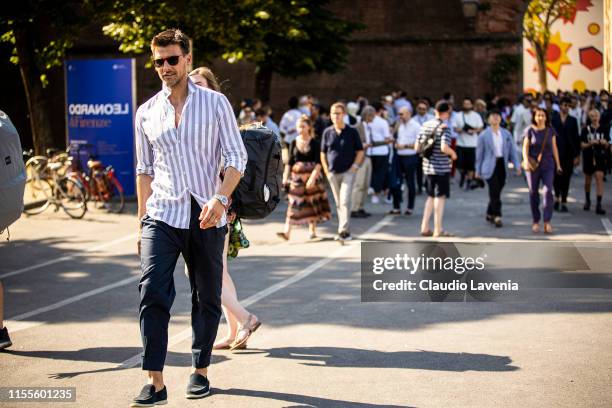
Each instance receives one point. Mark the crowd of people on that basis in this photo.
(546, 137)
(390, 150)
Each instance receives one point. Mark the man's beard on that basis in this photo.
(172, 81)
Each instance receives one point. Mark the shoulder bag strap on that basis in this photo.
(543, 145)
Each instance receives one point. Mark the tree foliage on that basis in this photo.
(291, 38)
(41, 31)
(288, 37)
(538, 20)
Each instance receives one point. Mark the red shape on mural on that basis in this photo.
(553, 53)
(581, 5)
(591, 57)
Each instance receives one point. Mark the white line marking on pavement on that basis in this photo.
(26, 325)
(69, 257)
(185, 334)
(607, 225)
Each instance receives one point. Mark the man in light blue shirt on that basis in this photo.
(495, 149)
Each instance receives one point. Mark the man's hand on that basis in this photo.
(211, 213)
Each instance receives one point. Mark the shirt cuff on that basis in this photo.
(148, 170)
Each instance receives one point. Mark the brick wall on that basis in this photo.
(424, 47)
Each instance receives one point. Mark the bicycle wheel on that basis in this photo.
(37, 195)
(36, 167)
(113, 198)
(71, 197)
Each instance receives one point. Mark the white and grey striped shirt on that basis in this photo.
(185, 161)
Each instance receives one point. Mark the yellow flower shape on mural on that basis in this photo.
(556, 55)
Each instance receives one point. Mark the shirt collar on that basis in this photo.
(191, 88)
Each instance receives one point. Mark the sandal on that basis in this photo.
(245, 332)
(535, 228)
(427, 233)
(548, 229)
(283, 235)
(443, 234)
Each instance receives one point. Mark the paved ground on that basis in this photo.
(71, 305)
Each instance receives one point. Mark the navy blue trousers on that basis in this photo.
(202, 250)
(408, 168)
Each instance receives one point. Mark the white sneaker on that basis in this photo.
(389, 200)
(375, 199)
(370, 191)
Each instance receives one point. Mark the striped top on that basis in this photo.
(186, 161)
(438, 162)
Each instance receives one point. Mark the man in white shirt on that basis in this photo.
(364, 174)
(521, 119)
(468, 125)
(289, 120)
(406, 163)
(378, 136)
(575, 110)
(182, 136)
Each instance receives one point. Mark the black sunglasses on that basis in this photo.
(173, 60)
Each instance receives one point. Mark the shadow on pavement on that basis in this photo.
(343, 357)
(114, 355)
(302, 400)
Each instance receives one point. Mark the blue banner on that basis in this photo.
(100, 108)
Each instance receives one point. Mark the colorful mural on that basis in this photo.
(576, 52)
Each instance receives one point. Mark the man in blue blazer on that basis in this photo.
(494, 150)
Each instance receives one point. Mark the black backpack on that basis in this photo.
(427, 141)
(259, 190)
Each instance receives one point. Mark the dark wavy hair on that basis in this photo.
(171, 37)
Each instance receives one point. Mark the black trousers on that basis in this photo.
(496, 184)
(380, 168)
(419, 174)
(561, 182)
(407, 167)
(203, 252)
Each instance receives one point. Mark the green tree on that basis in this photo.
(539, 18)
(40, 32)
(291, 38)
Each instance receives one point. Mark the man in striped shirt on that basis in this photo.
(183, 135)
(436, 169)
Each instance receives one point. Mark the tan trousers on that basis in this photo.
(342, 187)
(361, 185)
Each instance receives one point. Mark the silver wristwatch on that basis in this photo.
(222, 199)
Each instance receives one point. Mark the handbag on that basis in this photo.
(532, 163)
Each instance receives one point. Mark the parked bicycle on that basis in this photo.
(47, 185)
(99, 181)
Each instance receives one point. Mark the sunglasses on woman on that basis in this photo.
(173, 60)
